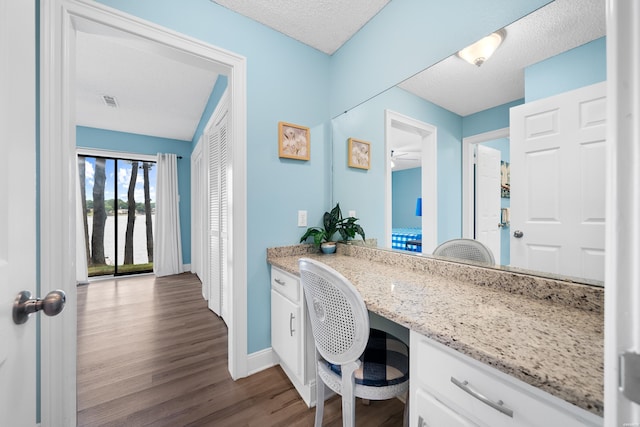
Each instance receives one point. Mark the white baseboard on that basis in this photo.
(186, 267)
(261, 360)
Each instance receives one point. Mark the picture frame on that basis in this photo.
(294, 141)
(359, 154)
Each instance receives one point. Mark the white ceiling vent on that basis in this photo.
(110, 101)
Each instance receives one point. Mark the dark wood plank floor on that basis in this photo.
(150, 353)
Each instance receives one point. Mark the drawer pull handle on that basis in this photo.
(279, 282)
(499, 405)
(291, 317)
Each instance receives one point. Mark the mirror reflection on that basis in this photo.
(424, 187)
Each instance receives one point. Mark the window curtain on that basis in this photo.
(82, 274)
(167, 249)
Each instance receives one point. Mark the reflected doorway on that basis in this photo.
(486, 202)
(411, 138)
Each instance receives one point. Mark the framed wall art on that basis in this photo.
(359, 154)
(293, 141)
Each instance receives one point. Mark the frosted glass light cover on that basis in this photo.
(482, 50)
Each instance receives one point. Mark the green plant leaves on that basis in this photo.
(334, 222)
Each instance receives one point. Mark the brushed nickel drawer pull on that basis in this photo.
(291, 317)
(279, 282)
(499, 405)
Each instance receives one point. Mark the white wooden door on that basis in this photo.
(17, 210)
(219, 171)
(558, 183)
(198, 226)
(225, 171)
(213, 277)
(488, 198)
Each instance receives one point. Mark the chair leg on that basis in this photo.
(348, 395)
(320, 388)
(405, 420)
(348, 409)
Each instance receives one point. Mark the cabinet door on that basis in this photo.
(433, 413)
(286, 331)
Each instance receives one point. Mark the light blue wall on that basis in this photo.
(216, 93)
(408, 36)
(405, 189)
(363, 190)
(286, 81)
(582, 66)
(87, 137)
(488, 120)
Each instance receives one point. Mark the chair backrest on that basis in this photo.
(339, 317)
(467, 249)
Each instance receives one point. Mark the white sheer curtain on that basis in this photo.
(82, 275)
(167, 248)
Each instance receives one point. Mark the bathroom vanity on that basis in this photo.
(488, 347)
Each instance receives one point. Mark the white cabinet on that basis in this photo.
(291, 338)
(451, 389)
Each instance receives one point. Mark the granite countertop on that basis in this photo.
(549, 335)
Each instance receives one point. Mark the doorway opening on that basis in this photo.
(486, 203)
(411, 138)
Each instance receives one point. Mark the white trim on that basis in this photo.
(261, 360)
(622, 271)
(429, 177)
(83, 151)
(59, 18)
(221, 109)
(468, 159)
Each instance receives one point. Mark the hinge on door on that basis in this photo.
(630, 376)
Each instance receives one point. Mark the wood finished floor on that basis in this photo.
(150, 353)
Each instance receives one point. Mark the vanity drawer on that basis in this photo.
(286, 284)
(485, 395)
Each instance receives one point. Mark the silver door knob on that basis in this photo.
(24, 305)
(518, 234)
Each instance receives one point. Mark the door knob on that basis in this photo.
(518, 234)
(24, 305)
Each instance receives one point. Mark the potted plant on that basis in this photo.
(333, 222)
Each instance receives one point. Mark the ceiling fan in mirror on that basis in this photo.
(405, 159)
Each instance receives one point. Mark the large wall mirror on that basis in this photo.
(557, 49)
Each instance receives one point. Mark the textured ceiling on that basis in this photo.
(164, 95)
(466, 89)
(157, 95)
(323, 24)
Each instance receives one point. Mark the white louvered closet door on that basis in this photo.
(214, 221)
(218, 216)
(225, 172)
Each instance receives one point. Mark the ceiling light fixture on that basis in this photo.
(482, 50)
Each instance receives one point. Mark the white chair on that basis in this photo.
(467, 249)
(354, 361)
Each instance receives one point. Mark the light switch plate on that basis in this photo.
(302, 218)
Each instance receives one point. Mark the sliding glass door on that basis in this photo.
(118, 200)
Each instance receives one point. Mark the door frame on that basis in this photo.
(429, 178)
(468, 179)
(622, 234)
(59, 20)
